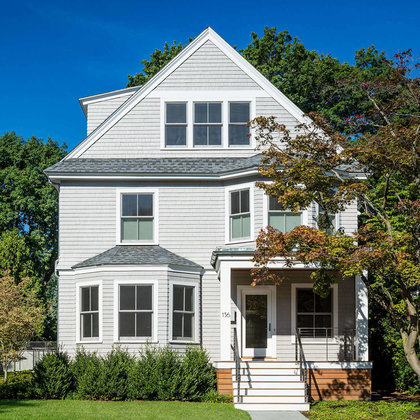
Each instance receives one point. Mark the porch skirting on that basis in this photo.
(224, 381)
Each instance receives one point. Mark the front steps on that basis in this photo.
(269, 386)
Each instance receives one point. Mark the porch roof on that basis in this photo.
(230, 252)
(137, 255)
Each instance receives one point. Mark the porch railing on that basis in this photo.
(303, 365)
(237, 360)
(329, 339)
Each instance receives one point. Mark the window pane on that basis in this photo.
(177, 325)
(274, 204)
(305, 321)
(246, 226)
(200, 113)
(178, 298)
(200, 135)
(188, 325)
(145, 229)
(176, 135)
(189, 296)
(215, 113)
(127, 324)
(85, 299)
(276, 221)
(323, 321)
(176, 113)
(145, 205)
(234, 202)
(144, 324)
(215, 135)
(129, 205)
(305, 298)
(144, 297)
(323, 304)
(236, 227)
(129, 230)
(95, 325)
(292, 221)
(238, 135)
(86, 325)
(239, 112)
(94, 298)
(244, 201)
(127, 298)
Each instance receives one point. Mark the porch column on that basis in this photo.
(225, 311)
(362, 315)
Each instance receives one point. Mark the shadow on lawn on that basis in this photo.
(8, 405)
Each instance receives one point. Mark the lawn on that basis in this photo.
(361, 410)
(148, 410)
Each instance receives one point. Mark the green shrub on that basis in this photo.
(53, 378)
(214, 397)
(17, 386)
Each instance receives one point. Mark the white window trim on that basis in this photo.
(79, 286)
(207, 96)
(304, 216)
(155, 316)
(118, 203)
(195, 284)
(228, 190)
(314, 340)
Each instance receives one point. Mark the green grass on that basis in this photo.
(150, 410)
(361, 410)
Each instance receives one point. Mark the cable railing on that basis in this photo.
(237, 360)
(303, 365)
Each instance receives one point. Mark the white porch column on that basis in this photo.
(362, 315)
(225, 311)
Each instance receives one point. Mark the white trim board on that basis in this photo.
(207, 35)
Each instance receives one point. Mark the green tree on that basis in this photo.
(323, 167)
(29, 212)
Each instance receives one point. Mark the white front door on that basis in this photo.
(257, 306)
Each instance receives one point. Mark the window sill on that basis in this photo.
(183, 342)
(89, 342)
(137, 243)
(134, 341)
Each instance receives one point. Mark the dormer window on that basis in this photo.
(207, 124)
(176, 124)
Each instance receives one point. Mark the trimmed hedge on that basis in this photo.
(157, 374)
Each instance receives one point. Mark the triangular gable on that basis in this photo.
(164, 74)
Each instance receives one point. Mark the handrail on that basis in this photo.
(237, 360)
(303, 365)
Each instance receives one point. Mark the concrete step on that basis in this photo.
(297, 392)
(269, 399)
(272, 406)
(244, 384)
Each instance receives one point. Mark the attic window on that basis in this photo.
(208, 124)
(176, 124)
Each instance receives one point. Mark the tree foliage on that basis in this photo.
(21, 318)
(380, 170)
(29, 212)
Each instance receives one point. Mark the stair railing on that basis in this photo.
(303, 365)
(237, 360)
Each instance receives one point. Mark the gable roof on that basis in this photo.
(142, 92)
(137, 255)
(211, 167)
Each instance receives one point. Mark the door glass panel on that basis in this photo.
(256, 321)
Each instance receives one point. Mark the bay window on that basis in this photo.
(240, 215)
(282, 219)
(183, 312)
(89, 312)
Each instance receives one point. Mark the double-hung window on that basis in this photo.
(183, 313)
(176, 124)
(89, 312)
(281, 219)
(207, 124)
(137, 217)
(240, 215)
(135, 312)
(314, 315)
(238, 123)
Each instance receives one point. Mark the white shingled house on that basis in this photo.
(158, 216)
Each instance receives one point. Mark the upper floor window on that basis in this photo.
(282, 219)
(176, 124)
(207, 124)
(238, 124)
(89, 312)
(240, 215)
(137, 217)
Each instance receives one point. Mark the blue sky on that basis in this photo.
(53, 52)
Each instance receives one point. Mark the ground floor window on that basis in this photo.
(183, 312)
(135, 314)
(314, 317)
(89, 312)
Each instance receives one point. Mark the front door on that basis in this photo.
(257, 322)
